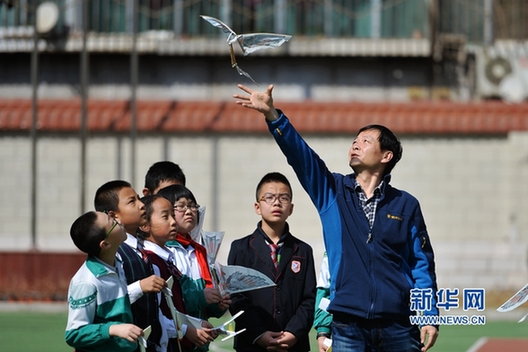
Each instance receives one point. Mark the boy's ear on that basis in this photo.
(146, 191)
(111, 213)
(104, 244)
(145, 228)
(257, 208)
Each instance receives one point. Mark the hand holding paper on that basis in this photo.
(143, 339)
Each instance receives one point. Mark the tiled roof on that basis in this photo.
(227, 117)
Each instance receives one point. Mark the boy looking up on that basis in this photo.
(276, 318)
(99, 314)
(119, 200)
(161, 228)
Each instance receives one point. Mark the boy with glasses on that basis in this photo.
(99, 313)
(276, 318)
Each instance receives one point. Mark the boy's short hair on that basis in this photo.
(273, 177)
(86, 235)
(163, 171)
(107, 196)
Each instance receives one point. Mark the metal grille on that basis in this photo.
(309, 18)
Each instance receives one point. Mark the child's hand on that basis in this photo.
(208, 327)
(212, 295)
(268, 339)
(130, 332)
(152, 283)
(285, 341)
(198, 337)
(225, 302)
(320, 344)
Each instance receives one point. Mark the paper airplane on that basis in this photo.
(249, 43)
(180, 318)
(143, 339)
(167, 291)
(224, 329)
(516, 300)
(234, 279)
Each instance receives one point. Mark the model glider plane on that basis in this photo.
(249, 43)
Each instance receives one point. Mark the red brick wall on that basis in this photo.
(41, 276)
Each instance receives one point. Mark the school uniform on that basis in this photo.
(288, 306)
(97, 299)
(145, 306)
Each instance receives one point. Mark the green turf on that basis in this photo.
(33, 332)
(44, 332)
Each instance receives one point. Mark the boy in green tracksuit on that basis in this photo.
(322, 319)
(99, 314)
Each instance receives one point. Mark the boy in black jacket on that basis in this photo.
(279, 317)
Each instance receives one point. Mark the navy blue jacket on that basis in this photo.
(372, 271)
(289, 306)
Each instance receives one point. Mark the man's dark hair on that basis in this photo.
(387, 141)
(107, 196)
(85, 235)
(163, 171)
(273, 177)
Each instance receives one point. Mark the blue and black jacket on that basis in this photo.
(373, 277)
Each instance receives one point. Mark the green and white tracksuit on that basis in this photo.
(97, 299)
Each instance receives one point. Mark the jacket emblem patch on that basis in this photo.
(296, 266)
(394, 217)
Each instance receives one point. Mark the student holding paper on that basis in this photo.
(202, 300)
(276, 318)
(159, 229)
(99, 313)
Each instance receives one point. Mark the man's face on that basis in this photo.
(365, 152)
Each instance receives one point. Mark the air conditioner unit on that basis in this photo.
(502, 71)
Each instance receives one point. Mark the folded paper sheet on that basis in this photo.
(234, 279)
(142, 340)
(515, 301)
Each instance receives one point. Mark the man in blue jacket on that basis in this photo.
(375, 236)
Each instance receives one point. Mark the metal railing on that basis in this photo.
(331, 18)
(507, 19)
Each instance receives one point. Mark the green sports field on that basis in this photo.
(44, 332)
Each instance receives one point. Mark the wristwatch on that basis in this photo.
(322, 334)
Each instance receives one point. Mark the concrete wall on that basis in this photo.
(472, 191)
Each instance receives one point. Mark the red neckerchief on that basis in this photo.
(201, 255)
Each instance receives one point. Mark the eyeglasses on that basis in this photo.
(184, 208)
(270, 198)
(112, 228)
